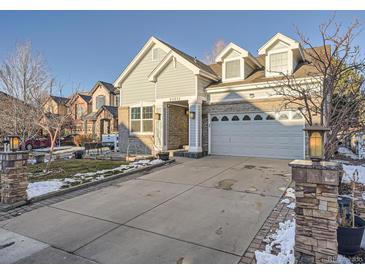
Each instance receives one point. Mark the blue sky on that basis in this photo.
(82, 47)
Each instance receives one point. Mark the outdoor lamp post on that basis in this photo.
(14, 142)
(316, 142)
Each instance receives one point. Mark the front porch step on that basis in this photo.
(187, 154)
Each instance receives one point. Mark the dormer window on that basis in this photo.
(233, 69)
(279, 62)
(237, 63)
(282, 55)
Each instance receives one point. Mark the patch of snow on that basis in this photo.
(156, 161)
(70, 180)
(290, 192)
(291, 205)
(141, 162)
(347, 153)
(343, 260)
(43, 187)
(283, 239)
(349, 171)
(285, 201)
(363, 196)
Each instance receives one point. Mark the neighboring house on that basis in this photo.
(103, 117)
(80, 105)
(95, 112)
(56, 105)
(170, 100)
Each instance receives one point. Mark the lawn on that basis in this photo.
(61, 169)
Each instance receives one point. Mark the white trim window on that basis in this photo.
(142, 119)
(279, 62)
(233, 69)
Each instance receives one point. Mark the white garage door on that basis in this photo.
(272, 135)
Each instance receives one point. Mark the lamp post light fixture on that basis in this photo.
(192, 115)
(11, 143)
(316, 142)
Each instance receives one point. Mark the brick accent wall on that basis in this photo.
(178, 126)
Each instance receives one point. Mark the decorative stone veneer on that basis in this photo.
(316, 192)
(13, 177)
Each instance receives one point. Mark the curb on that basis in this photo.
(82, 186)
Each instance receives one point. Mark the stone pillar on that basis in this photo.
(13, 177)
(316, 191)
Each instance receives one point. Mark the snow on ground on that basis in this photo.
(290, 192)
(285, 201)
(349, 171)
(283, 239)
(43, 187)
(343, 260)
(291, 205)
(347, 153)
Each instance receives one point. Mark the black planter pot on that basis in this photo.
(164, 156)
(79, 154)
(349, 238)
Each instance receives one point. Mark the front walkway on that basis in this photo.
(199, 211)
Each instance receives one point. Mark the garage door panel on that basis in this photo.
(276, 139)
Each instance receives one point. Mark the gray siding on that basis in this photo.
(175, 82)
(136, 87)
(232, 54)
(248, 69)
(202, 84)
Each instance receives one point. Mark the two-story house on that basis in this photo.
(56, 105)
(171, 100)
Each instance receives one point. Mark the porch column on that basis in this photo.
(160, 120)
(195, 126)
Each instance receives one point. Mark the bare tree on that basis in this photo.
(332, 94)
(218, 46)
(53, 124)
(24, 80)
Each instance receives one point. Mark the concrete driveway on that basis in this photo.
(198, 211)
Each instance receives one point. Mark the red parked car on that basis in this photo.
(40, 142)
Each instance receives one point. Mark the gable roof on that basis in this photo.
(113, 110)
(108, 86)
(87, 98)
(59, 99)
(83, 95)
(168, 48)
(281, 37)
(242, 52)
(94, 115)
(193, 60)
(172, 55)
(303, 69)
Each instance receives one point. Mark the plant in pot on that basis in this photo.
(163, 155)
(351, 227)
